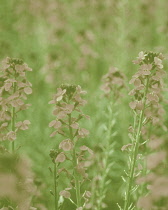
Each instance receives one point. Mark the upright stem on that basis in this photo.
(13, 116)
(75, 163)
(135, 150)
(144, 171)
(13, 127)
(55, 187)
(77, 183)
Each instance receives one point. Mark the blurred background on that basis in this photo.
(76, 42)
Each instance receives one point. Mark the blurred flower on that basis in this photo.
(153, 160)
(16, 181)
(66, 145)
(60, 157)
(23, 125)
(113, 82)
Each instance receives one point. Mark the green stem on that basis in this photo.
(55, 187)
(13, 116)
(77, 183)
(144, 171)
(13, 127)
(75, 163)
(135, 151)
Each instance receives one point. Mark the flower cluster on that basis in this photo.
(14, 88)
(150, 77)
(113, 82)
(67, 112)
(148, 91)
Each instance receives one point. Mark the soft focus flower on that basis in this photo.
(65, 194)
(83, 132)
(58, 97)
(11, 135)
(60, 158)
(66, 145)
(153, 160)
(158, 62)
(23, 125)
(55, 124)
(113, 82)
(16, 181)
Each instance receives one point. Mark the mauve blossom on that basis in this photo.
(66, 145)
(58, 96)
(11, 135)
(60, 158)
(65, 194)
(23, 125)
(83, 132)
(153, 160)
(158, 62)
(55, 124)
(113, 82)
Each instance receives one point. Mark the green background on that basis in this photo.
(75, 42)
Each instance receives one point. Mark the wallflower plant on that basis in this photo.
(67, 111)
(146, 97)
(13, 91)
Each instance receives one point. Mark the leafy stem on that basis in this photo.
(13, 115)
(55, 187)
(75, 163)
(135, 150)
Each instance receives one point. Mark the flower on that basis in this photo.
(23, 125)
(138, 105)
(58, 96)
(65, 194)
(153, 160)
(66, 145)
(56, 124)
(75, 125)
(11, 135)
(145, 69)
(158, 62)
(28, 90)
(83, 132)
(60, 157)
(85, 148)
(140, 58)
(125, 147)
(141, 55)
